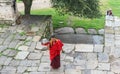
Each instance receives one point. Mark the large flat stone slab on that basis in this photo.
(97, 39)
(22, 55)
(45, 59)
(91, 56)
(104, 66)
(103, 57)
(21, 70)
(98, 72)
(68, 48)
(30, 63)
(98, 48)
(72, 71)
(44, 67)
(84, 48)
(2, 60)
(10, 52)
(8, 70)
(34, 56)
(80, 64)
(75, 38)
(32, 69)
(92, 64)
(23, 48)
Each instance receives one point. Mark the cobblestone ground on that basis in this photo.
(24, 54)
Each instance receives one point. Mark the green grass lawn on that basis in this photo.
(18, 1)
(75, 21)
(115, 6)
(96, 23)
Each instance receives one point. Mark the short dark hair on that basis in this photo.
(53, 36)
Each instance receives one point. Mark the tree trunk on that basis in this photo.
(27, 5)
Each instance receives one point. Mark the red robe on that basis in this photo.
(55, 49)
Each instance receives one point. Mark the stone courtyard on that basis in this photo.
(23, 54)
(21, 51)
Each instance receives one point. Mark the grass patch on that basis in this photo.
(3, 25)
(18, 1)
(1, 54)
(67, 19)
(115, 6)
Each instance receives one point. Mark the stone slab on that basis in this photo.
(91, 56)
(2, 60)
(8, 70)
(68, 59)
(92, 64)
(98, 48)
(35, 56)
(44, 67)
(68, 48)
(33, 69)
(7, 62)
(98, 72)
(104, 66)
(14, 63)
(30, 63)
(21, 70)
(80, 64)
(23, 48)
(84, 48)
(22, 55)
(103, 57)
(72, 71)
(45, 59)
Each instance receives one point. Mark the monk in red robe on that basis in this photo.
(55, 46)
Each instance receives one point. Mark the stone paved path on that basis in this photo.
(23, 54)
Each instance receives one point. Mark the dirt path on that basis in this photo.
(37, 4)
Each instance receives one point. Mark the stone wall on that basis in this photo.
(7, 13)
(112, 42)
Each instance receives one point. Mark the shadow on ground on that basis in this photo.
(80, 38)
